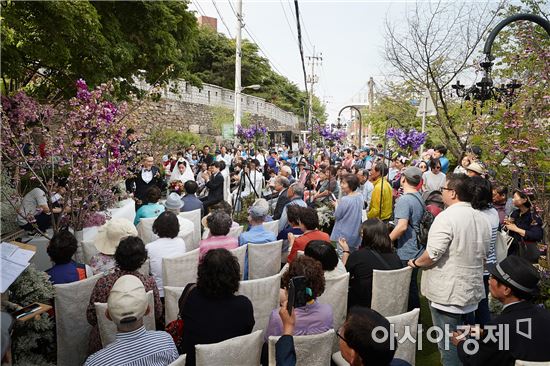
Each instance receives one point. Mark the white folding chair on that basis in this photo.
(310, 349)
(171, 307)
(336, 295)
(385, 284)
(264, 295)
(240, 253)
(532, 363)
(88, 251)
(145, 229)
(406, 350)
(272, 226)
(181, 270)
(339, 360)
(238, 351)
(264, 260)
(73, 330)
(108, 330)
(236, 231)
(145, 268)
(180, 361)
(195, 217)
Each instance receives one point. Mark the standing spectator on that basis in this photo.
(273, 161)
(309, 221)
(210, 309)
(366, 187)
(464, 162)
(206, 156)
(348, 159)
(434, 178)
(295, 195)
(61, 249)
(219, 224)
(147, 178)
(475, 169)
(130, 256)
(409, 210)
(106, 242)
(439, 153)
(349, 213)
(453, 261)
(215, 184)
(281, 186)
(190, 200)
(166, 226)
(381, 201)
(151, 207)
(126, 306)
(376, 252)
(502, 203)
(525, 226)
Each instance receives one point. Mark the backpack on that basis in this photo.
(424, 226)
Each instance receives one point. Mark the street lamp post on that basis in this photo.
(360, 121)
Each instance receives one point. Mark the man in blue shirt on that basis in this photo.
(272, 161)
(439, 153)
(256, 233)
(190, 200)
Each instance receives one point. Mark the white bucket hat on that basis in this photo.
(109, 235)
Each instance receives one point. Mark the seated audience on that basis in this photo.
(325, 253)
(219, 223)
(256, 233)
(223, 206)
(293, 215)
(106, 242)
(313, 318)
(210, 310)
(34, 211)
(166, 226)
(151, 207)
(130, 256)
(190, 200)
(513, 282)
(376, 252)
(126, 306)
(309, 221)
(173, 204)
(61, 249)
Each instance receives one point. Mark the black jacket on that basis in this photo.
(282, 200)
(520, 346)
(215, 188)
(141, 187)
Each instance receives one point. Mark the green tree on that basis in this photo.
(47, 45)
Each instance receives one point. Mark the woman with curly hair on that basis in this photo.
(313, 318)
(210, 309)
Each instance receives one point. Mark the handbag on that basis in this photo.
(502, 244)
(175, 327)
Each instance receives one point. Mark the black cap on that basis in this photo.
(517, 273)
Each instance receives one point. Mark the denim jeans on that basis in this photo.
(447, 322)
(482, 314)
(414, 299)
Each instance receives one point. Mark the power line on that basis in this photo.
(300, 42)
(306, 32)
(262, 50)
(288, 22)
(221, 18)
(199, 8)
(232, 8)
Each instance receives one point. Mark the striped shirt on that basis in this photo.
(137, 348)
(491, 214)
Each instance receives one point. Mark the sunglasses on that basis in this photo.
(436, 167)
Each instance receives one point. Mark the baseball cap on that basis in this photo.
(413, 175)
(127, 300)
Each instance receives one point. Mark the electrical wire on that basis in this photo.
(199, 8)
(288, 23)
(300, 43)
(221, 18)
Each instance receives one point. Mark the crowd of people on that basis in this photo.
(388, 210)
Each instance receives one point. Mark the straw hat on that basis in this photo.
(109, 235)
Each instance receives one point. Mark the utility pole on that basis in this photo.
(371, 106)
(312, 80)
(238, 89)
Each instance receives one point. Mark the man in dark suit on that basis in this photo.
(281, 186)
(148, 176)
(214, 183)
(513, 282)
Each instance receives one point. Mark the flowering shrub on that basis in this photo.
(252, 133)
(330, 135)
(411, 139)
(79, 141)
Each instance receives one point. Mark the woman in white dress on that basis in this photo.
(182, 171)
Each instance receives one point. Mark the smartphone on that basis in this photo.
(27, 310)
(296, 293)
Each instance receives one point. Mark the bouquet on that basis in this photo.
(176, 186)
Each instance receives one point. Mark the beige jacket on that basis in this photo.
(458, 242)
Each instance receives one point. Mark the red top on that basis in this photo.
(301, 242)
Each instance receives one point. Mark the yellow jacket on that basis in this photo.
(382, 190)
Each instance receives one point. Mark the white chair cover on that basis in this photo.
(339, 360)
(88, 251)
(145, 229)
(406, 350)
(236, 231)
(180, 361)
(238, 351)
(181, 270)
(73, 330)
(310, 349)
(264, 260)
(171, 297)
(532, 363)
(336, 295)
(240, 253)
(107, 329)
(385, 284)
(195, 217)
(145, 268)
(264, 295)
(272, 226)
